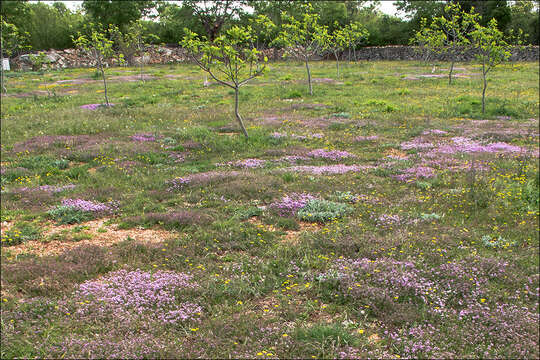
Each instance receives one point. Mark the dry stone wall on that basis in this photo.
(72, 58)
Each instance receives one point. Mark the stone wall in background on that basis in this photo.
(72, 58)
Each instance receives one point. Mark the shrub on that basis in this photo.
(69, 215)
(322, 210)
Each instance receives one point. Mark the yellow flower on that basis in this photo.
(482, 300)
(285, 335)
(360, 331)
(194, 329)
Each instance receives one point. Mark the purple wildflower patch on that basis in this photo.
(330, 154)
(329, 169)
(434, 132)
(290, 204)
(246, 163)
(417, 144)
(417, 172)
(140, 292)
(90, 206)
(143, 137)
(94, 106)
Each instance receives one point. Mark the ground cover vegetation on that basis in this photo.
(379, 217)
(387, 214)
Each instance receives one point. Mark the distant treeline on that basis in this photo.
(52, 26)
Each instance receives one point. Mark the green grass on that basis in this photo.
(326, 280)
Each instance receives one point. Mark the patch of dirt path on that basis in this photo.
(111, 236)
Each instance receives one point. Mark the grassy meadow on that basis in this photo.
(384, 216)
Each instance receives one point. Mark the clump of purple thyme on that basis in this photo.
(290, 204)
(246, 163)
(89, 206)
(140, 292)
(278, 135)
(416, 144)
(143, 137)
(330, 154)
(328, 169)
(418, 172)
(386, 220)
(434, 132)
(94, 106)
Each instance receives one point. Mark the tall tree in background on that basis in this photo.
(12, 40)
(119, 13)
(213, 15)
(489, 9)
(525, 16)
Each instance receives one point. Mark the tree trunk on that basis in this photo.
(337, 63)
(450, 73)
(484, 88)
(4, 89)
(309, 78)
(238, 117)
(104, 83)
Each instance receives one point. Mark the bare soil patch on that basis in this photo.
(111, 236)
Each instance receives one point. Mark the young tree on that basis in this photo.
(303, 38)
(12, 40)
(98, 48)
(345, 37)
(491, 50)
(231, 59)
(448, 34)
(132, 42)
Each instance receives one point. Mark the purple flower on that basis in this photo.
(290, 204)
(414, 173)
(143, 137)
(246, 163)
(89, 206)
(328, 169)
(140, 292)
(94, 106)
(330, 154)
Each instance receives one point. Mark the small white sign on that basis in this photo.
(5, 64)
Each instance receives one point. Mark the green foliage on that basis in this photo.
(345, 37)
(244, 214)
(447, 34)
(99, 48)
(303, 37)
(19, 233)
(491, 50)
(496, 242)
(116, 12)
(231, 59)
(69, 215)
(323, 211)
